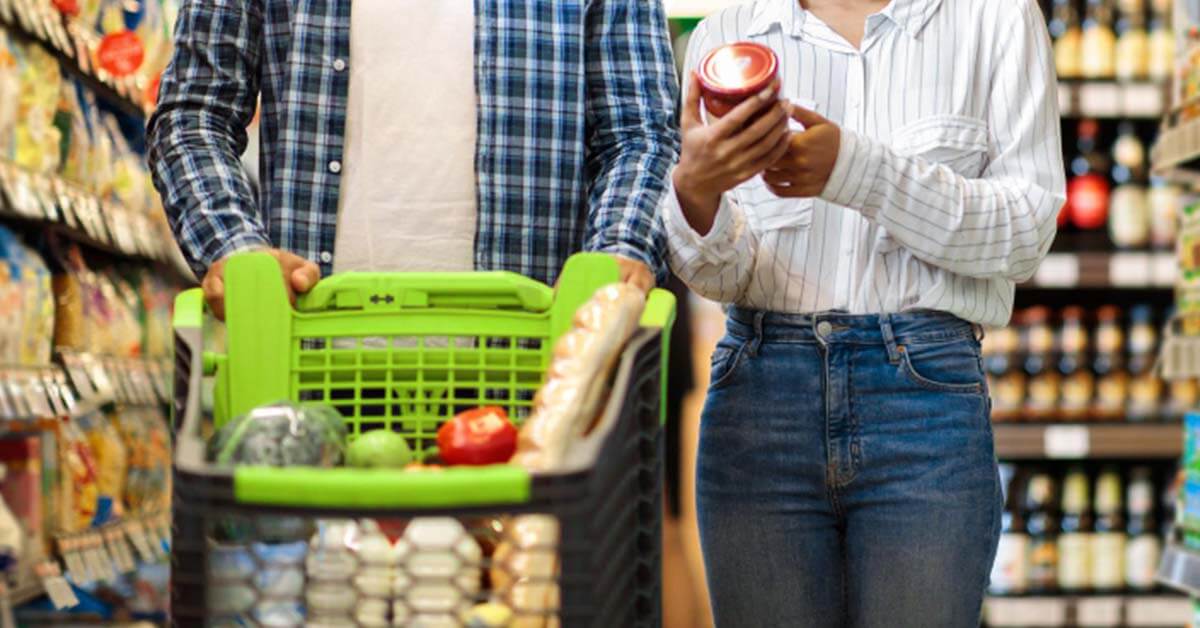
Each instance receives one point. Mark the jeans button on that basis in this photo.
(824, 328)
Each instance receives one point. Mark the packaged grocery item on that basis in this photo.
(439, 572)
(79, 490)
(282, 435)
(525, 569)
(12, 539)
(576, 382)
(734, 72)
(108, 451)
(22, 486)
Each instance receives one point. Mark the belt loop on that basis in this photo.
(889, 338)
(980, 333)
(758, 332)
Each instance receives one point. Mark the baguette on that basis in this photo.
(577, 379)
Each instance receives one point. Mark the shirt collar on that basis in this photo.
(910, 15)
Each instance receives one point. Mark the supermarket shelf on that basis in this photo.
(1109, 99)
(73, 45)
(1138, 270)
(81, 216)
(1018, 441)
(1144, 611)
(26, 592)
(1176, 154)
(1180, 357)
(1180, 569)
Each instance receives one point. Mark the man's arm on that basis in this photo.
(197, 134)
(632, 136)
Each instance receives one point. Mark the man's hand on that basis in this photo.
(804, 170)
(718, 157)
(635, 273)
(299, 275)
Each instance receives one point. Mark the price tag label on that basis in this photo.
(1066, 441)
(118, 548)
(1100, 99)
(79, 376)
(35, 392)
(16, 394)
(1130, 270)
(1058, 270)
(99, 376)
(1166, 270)
(50, 384)
(1143, 100)
(56, 586)
(1066, 98)
(77, 568)
(64, 390)
(137, 535)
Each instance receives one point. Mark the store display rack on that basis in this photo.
(83, 217)
(1112, 99)
(74, 47)
(1079, 441)
(1150, 610)
(1176, 154)
(1180, 568)
(1096, 269)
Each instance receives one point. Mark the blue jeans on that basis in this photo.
(846, 472)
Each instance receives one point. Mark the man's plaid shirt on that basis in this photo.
(576, 128)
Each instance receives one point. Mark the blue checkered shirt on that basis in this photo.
(576, 129)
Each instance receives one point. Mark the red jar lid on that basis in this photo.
(738, 68)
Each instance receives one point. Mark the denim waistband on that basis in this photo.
(910, 327)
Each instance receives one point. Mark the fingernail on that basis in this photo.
(767, 93)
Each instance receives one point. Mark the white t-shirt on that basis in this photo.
(408, 200)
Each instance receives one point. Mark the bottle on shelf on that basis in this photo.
(1067, 33)
(1166, 203)
(1088, 188)
(1112, 380)
(1075, 536)
(1161, 64)
(1009, 572)
(1098, 42)
(1006, 379)
(1133, 44)
(1145, 387)
(1128, 207)
(1042, 377)
(1143, 546)
(1078, 381)
(1041, 523)
(1108, 538)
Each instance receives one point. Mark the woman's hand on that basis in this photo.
(718, 157)
(804, 169)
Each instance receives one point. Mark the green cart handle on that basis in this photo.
(391, 291)
(381, 488)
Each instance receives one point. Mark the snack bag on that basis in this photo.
(79, 490)
(111, 460)
(10, 83)
(37, 329)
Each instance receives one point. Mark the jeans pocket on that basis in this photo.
(726, 358)
(950, 367)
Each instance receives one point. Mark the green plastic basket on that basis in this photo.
(391, 351)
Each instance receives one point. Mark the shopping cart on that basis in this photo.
(406, 352)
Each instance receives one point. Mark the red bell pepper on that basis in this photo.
(477, 437)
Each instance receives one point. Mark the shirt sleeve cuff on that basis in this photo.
(717, 244)
(238, 243)
(858, 163)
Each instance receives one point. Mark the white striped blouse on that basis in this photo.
(948, 181)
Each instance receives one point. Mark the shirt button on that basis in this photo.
(326, 257)
(335, 166)
(824, 328)
(339, 65)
